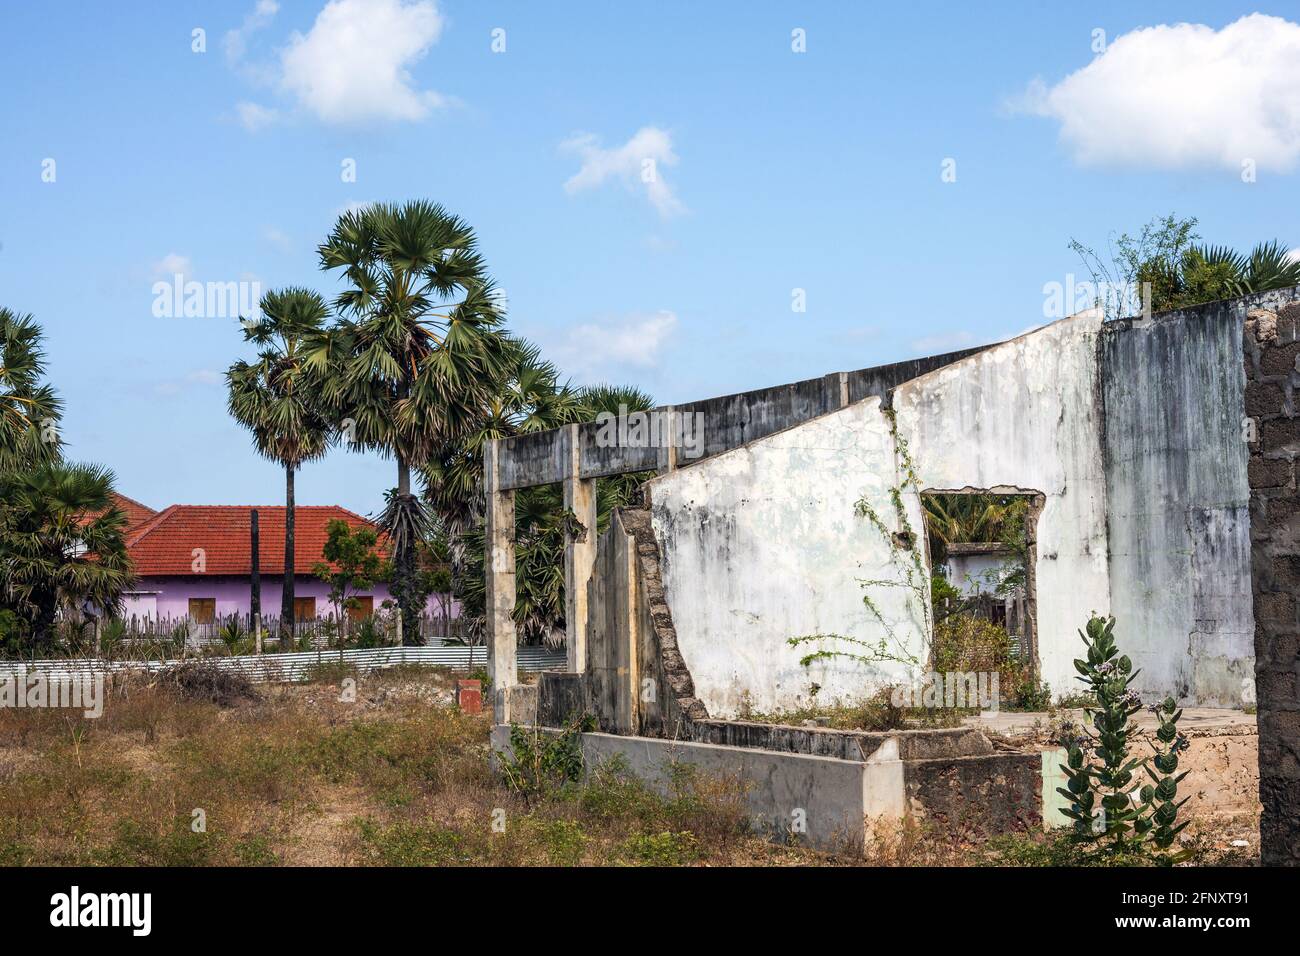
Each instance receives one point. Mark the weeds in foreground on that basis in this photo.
(297, 777)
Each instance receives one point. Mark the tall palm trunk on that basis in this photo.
(404, 586)
(287, 594)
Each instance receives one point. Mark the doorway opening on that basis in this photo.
(981, 545)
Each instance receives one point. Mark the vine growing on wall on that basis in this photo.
(905, 556)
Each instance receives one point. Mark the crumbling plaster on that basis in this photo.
(1025, 415)
(1130, 432)
(762, 543)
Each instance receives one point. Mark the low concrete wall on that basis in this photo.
(831, 803)
(827, 803)
(841, 744)
(978, 797)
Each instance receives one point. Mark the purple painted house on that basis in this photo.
(196, 561)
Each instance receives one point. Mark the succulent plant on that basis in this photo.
(1108, 801)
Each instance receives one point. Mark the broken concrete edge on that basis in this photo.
(827, 803)
(915, 744)
(676, 675)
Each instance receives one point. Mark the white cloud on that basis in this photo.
(254, 117)
(172, 263)
(201, 377)
(236, 41)
(637, 164)
(1181, 96)
(596, 350)
(943, 342)
(352, 66)
(277, 238)
(352, 205)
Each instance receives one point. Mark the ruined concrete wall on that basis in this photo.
(1025, 414)
(1272, 363)
(728, 421)
(762, 543)
(613, 671)
(1177, 500)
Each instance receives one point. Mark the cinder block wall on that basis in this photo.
(1272, 352)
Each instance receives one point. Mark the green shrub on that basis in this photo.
(661, 849)
(1108, 802)
(540, 763)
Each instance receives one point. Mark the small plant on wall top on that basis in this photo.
(913, 577)
(1127, 804)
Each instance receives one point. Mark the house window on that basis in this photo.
(363, 608)
(304, 609)
(203, 610)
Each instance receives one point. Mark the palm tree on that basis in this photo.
(957, 518)
(529, 399)
(27, 404)
(62, 544)
(277, 398)
(416, 357)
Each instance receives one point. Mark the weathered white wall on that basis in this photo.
(761, 543)
(1132, 435)
(1179, 504)
(1025, 414)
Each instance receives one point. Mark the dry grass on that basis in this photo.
(398, 776)
(297, 776)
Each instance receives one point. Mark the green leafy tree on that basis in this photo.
(29, 408)
(352, 564)
(62, 546)
(1165, 257)
(277, 398)
(416, 357)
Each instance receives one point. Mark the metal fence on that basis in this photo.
(321, 630)
(299, 666)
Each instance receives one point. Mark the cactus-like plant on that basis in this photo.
(1108, 801)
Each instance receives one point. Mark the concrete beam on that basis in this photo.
(499, 567)
(729, 422)
(579, 553)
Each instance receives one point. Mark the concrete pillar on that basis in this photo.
(579, 555)
(667, 431)
(499, 566)
(1272, 401)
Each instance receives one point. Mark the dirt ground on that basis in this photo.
(1222, 760)
(382, 769)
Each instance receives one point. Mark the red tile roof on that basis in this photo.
(165, 543)
(136, 513)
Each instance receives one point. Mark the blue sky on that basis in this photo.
(775, 171)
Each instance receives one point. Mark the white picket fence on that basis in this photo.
(298, 666)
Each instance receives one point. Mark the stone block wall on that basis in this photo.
(1272, 353)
